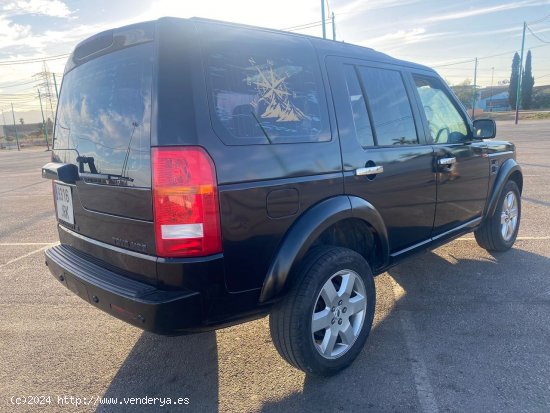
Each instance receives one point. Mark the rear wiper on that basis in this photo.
(86, 160)
(107, 178)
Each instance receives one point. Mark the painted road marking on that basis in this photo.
(23, 256)
(11, 244)
(422, 383)
(517, 239)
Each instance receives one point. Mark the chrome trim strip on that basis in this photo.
(109, 246)
(458, 229)
(412, 247)
(471, 223)
(490, 155)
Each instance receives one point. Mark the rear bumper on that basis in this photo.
(140, 304)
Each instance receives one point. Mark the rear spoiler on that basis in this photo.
(64, 172)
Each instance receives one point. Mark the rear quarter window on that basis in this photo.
(264, 88)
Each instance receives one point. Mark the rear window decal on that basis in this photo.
(273, 90)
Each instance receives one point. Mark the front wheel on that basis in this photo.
(498, 232)
(323, 321)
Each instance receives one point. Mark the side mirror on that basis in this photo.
(485, 129)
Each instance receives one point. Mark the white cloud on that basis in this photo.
(401, 37)
(357, 7)
(485, 10)
(56, 37)
(53, 8)
(279, 14)
(11, 32)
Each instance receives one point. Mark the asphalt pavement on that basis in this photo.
(456, 329)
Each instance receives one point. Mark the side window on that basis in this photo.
(265, 90)
(444, 120)
(358, 106)
(390, 107)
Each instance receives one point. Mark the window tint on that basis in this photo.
(361, 120)
(262, 94)
(103, 122)
(390, 106)
(444, 120)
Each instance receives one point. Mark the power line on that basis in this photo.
(486, 57)
(307, 25)
(33, 60)
(18, 84)
(540, 20)
(457, 63)
(16, 94)
(536, 36)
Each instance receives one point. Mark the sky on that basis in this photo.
(445, 34)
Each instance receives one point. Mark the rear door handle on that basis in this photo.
(371, 170)
(446, 161)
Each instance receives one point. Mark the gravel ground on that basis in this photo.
(456, 329)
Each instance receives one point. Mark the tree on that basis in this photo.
(527, 82)
(541, 99)
(49, 125)
(21, 121)
(513, 87)
(463, 92)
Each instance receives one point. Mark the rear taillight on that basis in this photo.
(185, 202)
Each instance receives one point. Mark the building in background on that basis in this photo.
(493, 99)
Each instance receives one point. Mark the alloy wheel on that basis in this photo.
(338, 314)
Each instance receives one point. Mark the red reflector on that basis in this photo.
(185, 202)
(123, 311)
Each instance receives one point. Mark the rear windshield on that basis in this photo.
(103, 120)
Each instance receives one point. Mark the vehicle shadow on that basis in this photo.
(454, 302)
(167, 367)
(470, 317)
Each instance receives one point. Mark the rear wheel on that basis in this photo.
(323, 321)
(499, 232)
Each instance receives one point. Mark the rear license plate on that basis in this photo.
(64, 203)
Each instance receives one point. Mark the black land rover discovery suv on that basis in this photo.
(206, 174)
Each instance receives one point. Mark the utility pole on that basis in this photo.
(43, 121)
(15, 128)
(46, 87)
(55, 84)
(323, 19)
(520, 70)
(3, 127)
(474, 94)
(491, 90)
(333, 28)
(47, 73)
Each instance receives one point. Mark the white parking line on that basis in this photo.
(517, 239)
(24, 256)
(10, 244)
(25, 196)
(422, 383)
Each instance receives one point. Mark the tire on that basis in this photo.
(349, 316)
(498, 233)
